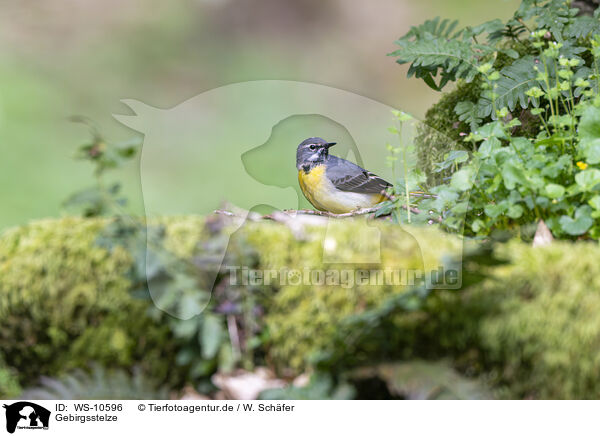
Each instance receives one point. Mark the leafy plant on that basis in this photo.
(422, 380)
(409, 182)
(9, 384)
(103, 198)
(435, 48)
(540, 70)
(321, 386)
(98, 384)
(411, 379)
(201, 321)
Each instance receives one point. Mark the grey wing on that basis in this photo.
(347, 176)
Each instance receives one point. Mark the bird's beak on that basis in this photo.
(330, 144)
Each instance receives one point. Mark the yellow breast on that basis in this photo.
(311, 184)
(323, 195)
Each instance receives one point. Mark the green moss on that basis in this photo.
(545, 339)
(9, 384)
(531, 329)
(182, 234)
(65, 301)
(302, 319)
(440, 131)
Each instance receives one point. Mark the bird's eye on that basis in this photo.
(313, 147)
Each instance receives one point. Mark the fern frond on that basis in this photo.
(515, 80)
(435, 27)
(453, 59)
(436, 49)
(582, 26)
(100, 384)
(552, 15)
(467, 112)
(494, 29)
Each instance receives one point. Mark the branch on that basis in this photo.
(291, 212)
(357, 212)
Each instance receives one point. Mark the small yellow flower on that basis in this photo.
(582, 165)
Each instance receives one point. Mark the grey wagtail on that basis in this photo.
(333, 184)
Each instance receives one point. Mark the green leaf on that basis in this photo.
(495, 210)
(554, 168)
(515, 211)
(462, 180)
(415, 379)
(477, 225)
(578, 225)
(595, 202)
(490, 27)
(444, 196)
(513, 175)
(491, 130)
(211, 335)
(552, 15)
(591, 151)
(468, 113)
(453, 158)
(385, 208)
(589, 125)
(511, 53)
(188, 305)
(589, 133)
(489, 146)
(185, 329)
(554, 191)
(458, 156)
(588, 179)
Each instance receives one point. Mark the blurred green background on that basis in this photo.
(64, 58)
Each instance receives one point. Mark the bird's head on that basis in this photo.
(312, 151)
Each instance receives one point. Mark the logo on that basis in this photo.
(26, 415)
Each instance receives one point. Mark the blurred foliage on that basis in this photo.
(542, 336)
(304, 320)
(331, 329)
(321, 386)
(175, 264)
(65, 301)
(534, 339)
(97, 384)
(421, 380)
(103, 198)
(9, 384)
